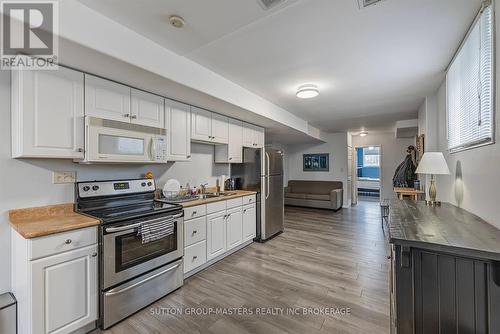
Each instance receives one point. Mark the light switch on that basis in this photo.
(63, 177)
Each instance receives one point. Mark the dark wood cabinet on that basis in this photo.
(441, 293)
(439, 287)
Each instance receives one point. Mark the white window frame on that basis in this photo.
(470, 146)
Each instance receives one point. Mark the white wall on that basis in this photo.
(393, 153)
(475, 174)
(28, 182)
(474, 182)
(336, 146)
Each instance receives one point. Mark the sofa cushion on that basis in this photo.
(313, 187)
(318, 197)
(295, 195)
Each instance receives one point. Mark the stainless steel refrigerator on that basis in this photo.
(262, 171)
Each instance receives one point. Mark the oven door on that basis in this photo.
(126, 257)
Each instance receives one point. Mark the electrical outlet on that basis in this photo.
(63, 177)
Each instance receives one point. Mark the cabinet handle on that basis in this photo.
(133, 116)
(94, 254)
(193, 213)
(229, 215)
(195, 257)
(194, 232)
(126, 115)
(68, 241)
(79, 150)
(230, 158)
(244, 211)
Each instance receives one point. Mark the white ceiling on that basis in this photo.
(373, 66)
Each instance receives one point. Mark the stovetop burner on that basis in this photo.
(113, 201)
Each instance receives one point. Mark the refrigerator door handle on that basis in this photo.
(268, 171)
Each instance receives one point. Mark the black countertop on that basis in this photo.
(444, 228)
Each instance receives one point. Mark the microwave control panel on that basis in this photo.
(160, 151)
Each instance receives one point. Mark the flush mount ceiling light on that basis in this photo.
(177, 21)
(363, 134)
(307, 91)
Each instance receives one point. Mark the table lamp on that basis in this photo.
(433, 163)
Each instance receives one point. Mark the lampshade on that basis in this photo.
(433, 163)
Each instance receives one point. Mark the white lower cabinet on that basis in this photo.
(234, 228)
(195, 256)
(214, 230)
(56, 293)
(216, 234)
(64, 289)
(249, 219)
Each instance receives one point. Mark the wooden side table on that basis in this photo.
(411, 193)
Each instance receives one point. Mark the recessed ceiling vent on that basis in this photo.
(367, 3)
(268, 4)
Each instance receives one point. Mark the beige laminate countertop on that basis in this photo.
(46, 220)
(238, 193)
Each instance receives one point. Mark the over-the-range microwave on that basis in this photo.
(108, 141)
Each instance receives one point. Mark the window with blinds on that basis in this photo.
(469, 87)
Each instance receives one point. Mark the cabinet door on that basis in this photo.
(248, 135)
(216, 234)
(106, 99)
(147, 109)
(220, 129)
(259, 137)
(235, 146)
(47, 114)
(201, 124)
(234, 228)
(179, 130)
(249, 222)
(64, 289)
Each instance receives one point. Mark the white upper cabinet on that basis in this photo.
(106, 99)
(201, 124)
(253, 136)
(233, 151)
(47, 114)
(220, 129)
(209, 127)
(147, 109)
(178, 125)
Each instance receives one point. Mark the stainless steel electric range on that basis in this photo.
(134, 270)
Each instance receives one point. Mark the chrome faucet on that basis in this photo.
(203, 187)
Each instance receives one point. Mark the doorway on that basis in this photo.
(368, 174)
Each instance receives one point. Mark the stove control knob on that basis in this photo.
(150, 184)
(95, 188)
(86, 188)
(143, 184)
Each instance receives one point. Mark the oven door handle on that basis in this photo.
(128, 227)
(117, 292)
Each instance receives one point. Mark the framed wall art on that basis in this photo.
(317, 162)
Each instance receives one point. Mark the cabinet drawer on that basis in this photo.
(195, 255)
(62, 242)
(195, 212)
(216, 207)
(232, 203)
(248, 199)
(195, 230)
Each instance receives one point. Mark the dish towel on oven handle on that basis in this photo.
(155, 231)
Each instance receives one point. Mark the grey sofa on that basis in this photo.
(315, 194)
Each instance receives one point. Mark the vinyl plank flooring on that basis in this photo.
(323, 260)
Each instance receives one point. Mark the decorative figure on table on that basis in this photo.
(405, 176)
